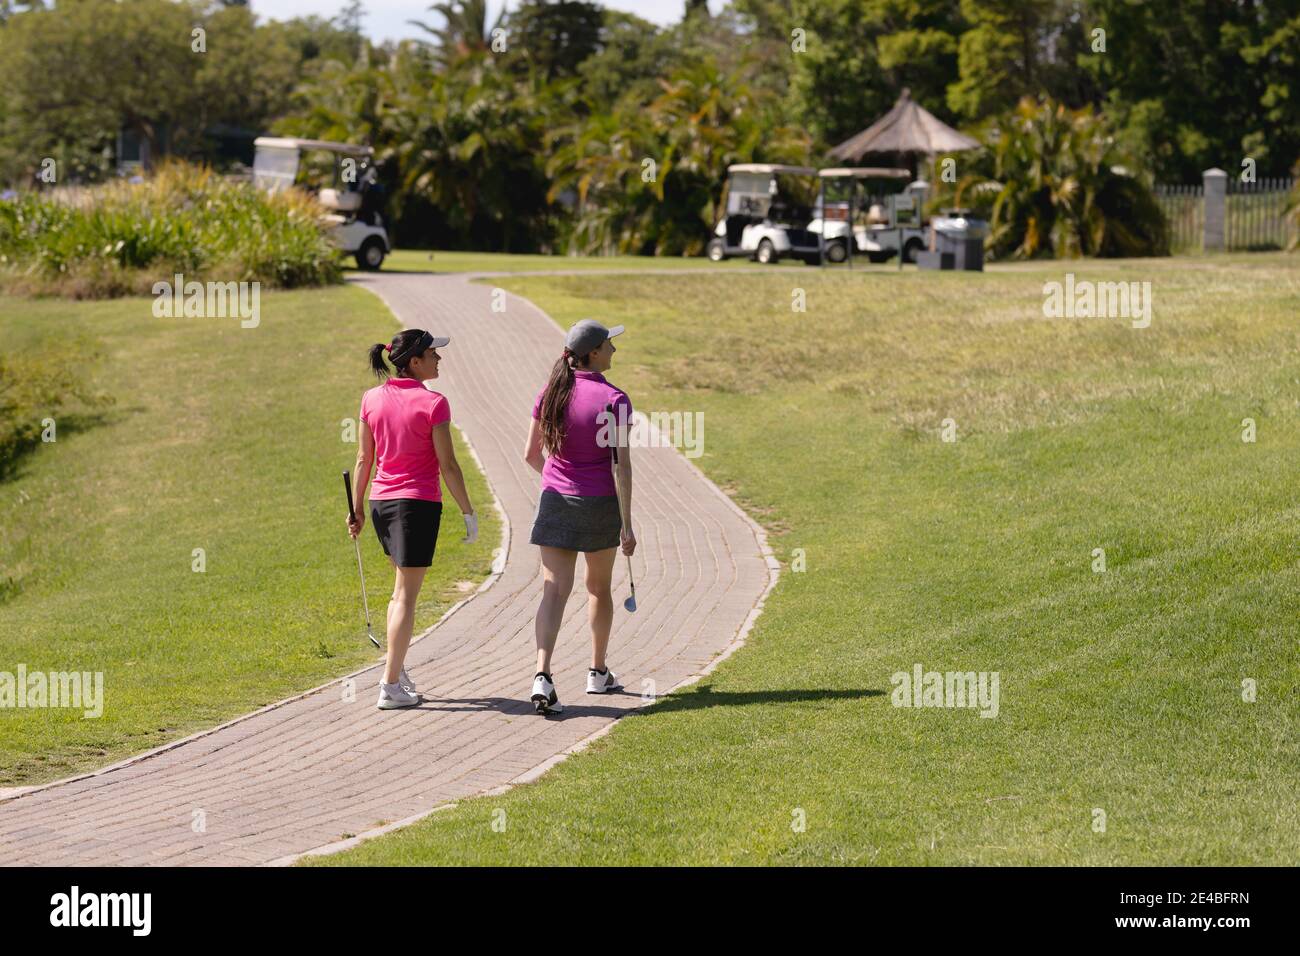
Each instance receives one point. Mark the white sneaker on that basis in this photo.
(544, 697)
(393, 697)
(404, 681)
(606, 683)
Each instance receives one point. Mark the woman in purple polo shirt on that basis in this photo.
(406, 438)
(578, 509)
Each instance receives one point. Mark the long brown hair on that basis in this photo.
(555, 400)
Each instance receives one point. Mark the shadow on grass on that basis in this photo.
(700, 697)
(67, 424)
(695, 698)
(18, 454)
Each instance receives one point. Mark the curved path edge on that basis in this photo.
(774, 570)
(14, 793)
(322, 771)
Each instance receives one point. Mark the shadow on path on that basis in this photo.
(694, 698)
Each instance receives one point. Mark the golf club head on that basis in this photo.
(630, 603)
(374, 640)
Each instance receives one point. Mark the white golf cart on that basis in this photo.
(763, 216)
(352, 197)
(886, 214)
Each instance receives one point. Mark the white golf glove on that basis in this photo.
(471, 528)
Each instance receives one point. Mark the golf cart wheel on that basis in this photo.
(766, 253)
(836, 251)
(716, 250)
(911, 249)
(371, 255)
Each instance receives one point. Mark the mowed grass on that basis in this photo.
(426, 260)
(222, 438)
(1121, 692)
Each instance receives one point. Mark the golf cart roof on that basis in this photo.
(292, 142)
(772, 168)
(865, 172)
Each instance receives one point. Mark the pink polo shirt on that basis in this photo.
(580, 466)
(401, 414)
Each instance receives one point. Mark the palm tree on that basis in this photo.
(701, 122)
(468, 142)
(460, 150)
(1060, 186)
(600, 161)
(465, 28)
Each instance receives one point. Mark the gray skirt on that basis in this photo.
(577, 523)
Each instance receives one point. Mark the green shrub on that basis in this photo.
(1054, 183)
(120, 238)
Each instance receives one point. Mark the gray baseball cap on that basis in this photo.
(589, 335)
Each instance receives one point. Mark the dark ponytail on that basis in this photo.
(555, 400)
(377, 363)
(403, 342)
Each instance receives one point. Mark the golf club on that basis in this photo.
(347, 490)
(630, 603)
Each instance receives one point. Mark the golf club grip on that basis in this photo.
(347, 490)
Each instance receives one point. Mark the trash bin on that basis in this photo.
(963, 237)
(935, 260)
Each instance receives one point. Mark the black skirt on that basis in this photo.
(408, 529)
(577, 522)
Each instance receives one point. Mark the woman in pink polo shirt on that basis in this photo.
(578, 508)
(406, 433)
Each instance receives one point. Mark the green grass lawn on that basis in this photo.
(221, 438)
(424, 260)
(1120, 691)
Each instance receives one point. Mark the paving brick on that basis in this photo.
(298, 776)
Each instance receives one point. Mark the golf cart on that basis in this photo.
(883, 213)
(352, 198)
(766, 210)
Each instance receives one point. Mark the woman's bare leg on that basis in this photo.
(557, 583)
(401, 619)
(600, 603)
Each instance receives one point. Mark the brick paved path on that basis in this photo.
(314, 770)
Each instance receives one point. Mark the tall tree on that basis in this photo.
(633, 53)
(83, 70)
(861, 53)
(554, 38)
(1006, 52)
(1201, 83)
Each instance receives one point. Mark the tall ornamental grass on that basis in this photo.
(120, 238)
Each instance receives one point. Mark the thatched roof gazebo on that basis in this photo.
(906, 129)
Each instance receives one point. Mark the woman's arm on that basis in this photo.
(361, 478)
(533, 449)
(450, 467)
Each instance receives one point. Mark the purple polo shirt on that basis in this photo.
(580, 466)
